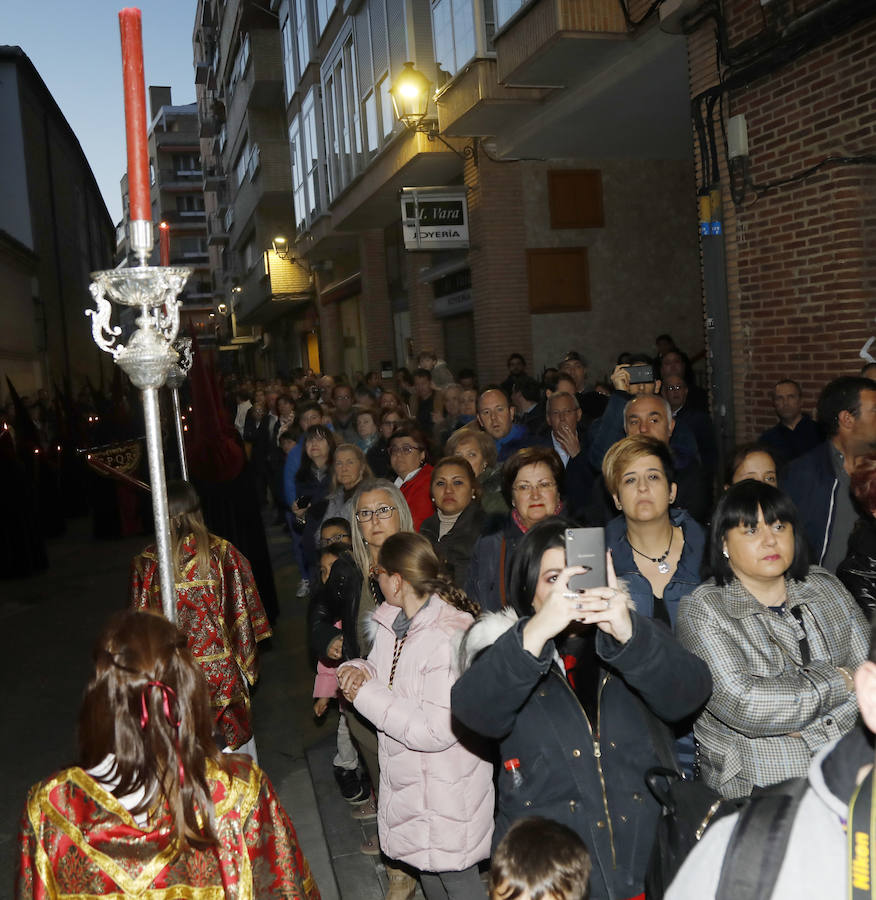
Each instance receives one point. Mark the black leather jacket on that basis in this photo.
(858, 570)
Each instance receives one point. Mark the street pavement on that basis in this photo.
(51, 622)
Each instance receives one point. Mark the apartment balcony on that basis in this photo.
(177, 140)
(202, 70)
(272, 288)
(216, 231)
(188, 221)
(214, 178)
(260, 85)
(181, 181)
(474, 104)
(552, 43)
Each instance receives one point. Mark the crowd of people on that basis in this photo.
(497, 719)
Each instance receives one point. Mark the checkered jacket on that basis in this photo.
(768, 712)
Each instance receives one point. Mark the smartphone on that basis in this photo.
(641, 374)
(303, 501)
(586, 547)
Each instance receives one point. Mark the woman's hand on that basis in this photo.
(608, 608)
(298, 511)
(336, 648)
(320, 705)
(350, 679)
(558, 610)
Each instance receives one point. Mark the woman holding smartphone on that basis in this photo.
(566, 682)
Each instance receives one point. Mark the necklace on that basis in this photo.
(662, 565)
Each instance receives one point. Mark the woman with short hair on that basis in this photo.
(479, 449)
(782, 640)
(656, 549)
(409, 457)
(153, 808)
(532, 480)
(349, 469)
(455, 527)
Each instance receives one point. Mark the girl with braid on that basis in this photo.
(435, 803)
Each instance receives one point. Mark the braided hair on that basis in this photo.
(412, 556)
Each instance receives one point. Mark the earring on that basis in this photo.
(726, 554)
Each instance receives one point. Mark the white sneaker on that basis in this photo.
(303, 588)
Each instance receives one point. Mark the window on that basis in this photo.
(190, 205)
(453, 29)
(324, 10)
(372, 136)
(193, 246)
(241, 165)
(299, 199)
(289, 81)
(249, 254)
(240, 63)
(302, 38)
(505, 9)
(313, 155)
(386, 108)
(342, 123)
(186, 163)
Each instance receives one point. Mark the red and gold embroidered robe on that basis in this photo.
(222, 615)
(77, 840)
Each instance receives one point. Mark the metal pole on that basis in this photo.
(159, 502)
(180, 440)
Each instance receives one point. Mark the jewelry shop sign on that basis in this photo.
(435, 218)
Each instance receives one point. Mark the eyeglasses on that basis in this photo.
(672, 388)
(526, 488)
(382, 512)
(406, 449)
(339, 538)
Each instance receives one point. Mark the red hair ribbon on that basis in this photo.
(166, 693)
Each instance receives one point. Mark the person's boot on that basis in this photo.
(401, 885)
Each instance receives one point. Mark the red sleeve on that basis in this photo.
(418, 493)
(28, 884)
(279, 868)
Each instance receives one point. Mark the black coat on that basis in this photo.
(487, 581)
(457, 546)
(858, 570)
(589, 776)
(336, 600)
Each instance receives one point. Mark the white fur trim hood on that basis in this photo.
(488, 628)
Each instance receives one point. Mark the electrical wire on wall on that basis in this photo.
(745, 63)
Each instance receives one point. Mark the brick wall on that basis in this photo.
(426, 330)
(801, 265)
(379, 343)
(498, 265)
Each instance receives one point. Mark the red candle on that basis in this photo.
(135, 114)
(164, 243)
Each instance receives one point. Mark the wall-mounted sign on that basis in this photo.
(434, 218)
(452, 304)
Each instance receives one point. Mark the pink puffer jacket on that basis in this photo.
(435, 808)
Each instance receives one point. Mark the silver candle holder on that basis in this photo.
(176, 377)
(146, 359)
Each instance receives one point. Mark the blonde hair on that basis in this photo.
(485, 443)
(361, 554)
(628, 450)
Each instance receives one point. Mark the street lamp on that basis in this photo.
(283, 251)
(410, 99)
(281, 247)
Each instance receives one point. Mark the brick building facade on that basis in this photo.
(801, 257)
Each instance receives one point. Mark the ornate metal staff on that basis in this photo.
(146, 359)
(175, 379)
